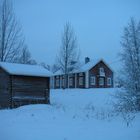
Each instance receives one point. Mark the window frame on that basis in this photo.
(109, 81)
(92, 80)
(101, 69)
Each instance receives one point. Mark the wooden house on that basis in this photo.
(22, 84)
(93, 74)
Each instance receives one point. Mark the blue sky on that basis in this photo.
(98, 25)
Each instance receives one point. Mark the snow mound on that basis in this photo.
(74, 114)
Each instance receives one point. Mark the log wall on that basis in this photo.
(4, 89)
(30, 90)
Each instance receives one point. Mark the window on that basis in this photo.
(71, 81)
(101, 81)
(63, 82)
(81, 82)
(108, 81)
(101, 70)
(92, 80)
(57, 82)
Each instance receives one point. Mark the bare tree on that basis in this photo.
(130, 98)
(46, 66)
(24, 57)
(11, 38)
(69, 53)
(55, 68)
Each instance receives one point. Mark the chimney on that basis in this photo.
(87, 59)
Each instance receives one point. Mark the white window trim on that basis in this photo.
(87, 79)
(109, 83)
(92, 80)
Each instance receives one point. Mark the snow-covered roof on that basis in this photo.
(25, 70)
(91, 64)
(88, 66)
(59, 72)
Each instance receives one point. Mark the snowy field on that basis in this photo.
(76, 114)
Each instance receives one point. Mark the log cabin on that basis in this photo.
(22, 84)
(93, 74)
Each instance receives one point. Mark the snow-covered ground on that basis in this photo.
(76, 114)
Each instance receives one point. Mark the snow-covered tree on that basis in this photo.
(130, 98)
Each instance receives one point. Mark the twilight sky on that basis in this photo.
(98, 25)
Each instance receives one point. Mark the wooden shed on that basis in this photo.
(22, 84)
